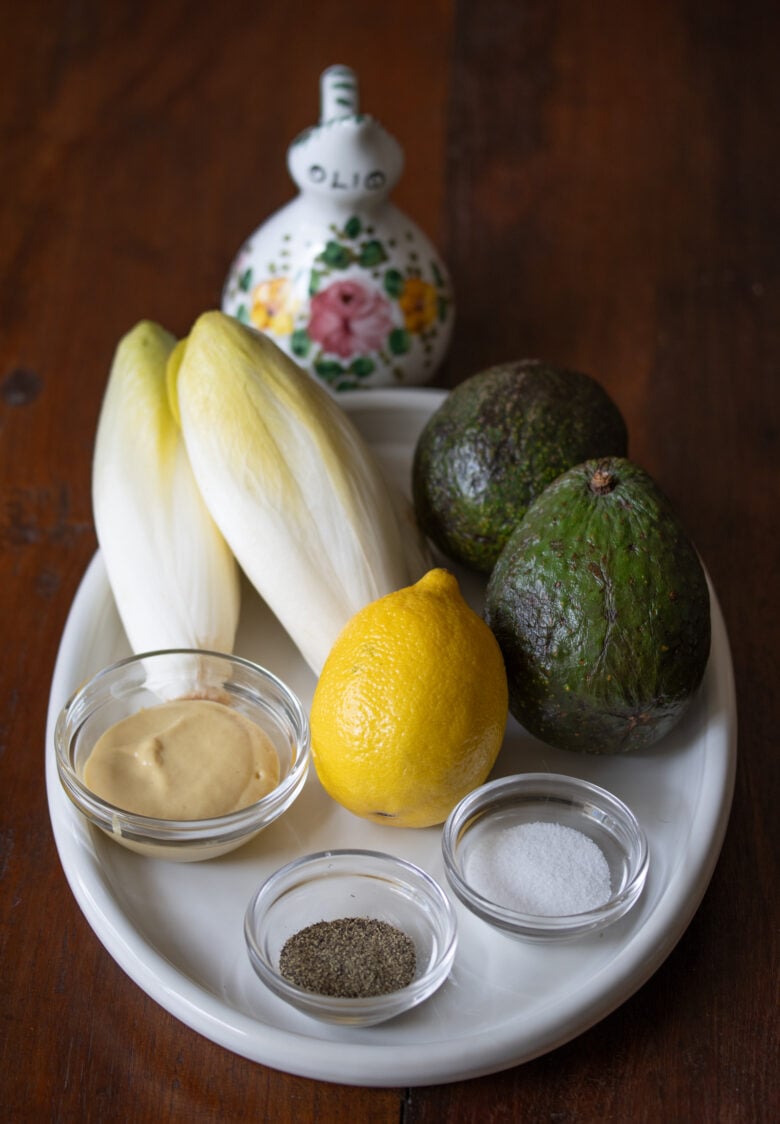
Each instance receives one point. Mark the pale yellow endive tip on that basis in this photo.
(173, 576)
(295, 490)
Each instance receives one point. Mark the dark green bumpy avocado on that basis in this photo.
(601, 608)
(496, 441)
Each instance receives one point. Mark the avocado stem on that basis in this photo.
(602, 482)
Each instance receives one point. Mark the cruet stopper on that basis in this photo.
(339, 277)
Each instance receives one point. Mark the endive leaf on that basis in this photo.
(174, 579)
(295, 490)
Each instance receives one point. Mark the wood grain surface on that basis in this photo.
(603, 180)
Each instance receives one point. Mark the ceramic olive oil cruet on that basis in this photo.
(340, 278)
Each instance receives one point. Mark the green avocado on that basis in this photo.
(495, 442)
(601, 608)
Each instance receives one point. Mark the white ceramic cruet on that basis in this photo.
(340, 278)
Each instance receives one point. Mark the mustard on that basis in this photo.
(184, 760)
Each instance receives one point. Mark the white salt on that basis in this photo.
(544, 869)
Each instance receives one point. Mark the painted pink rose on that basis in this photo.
(349, 319)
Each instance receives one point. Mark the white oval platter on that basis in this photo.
(176, 930)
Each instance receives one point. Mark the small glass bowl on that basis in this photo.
(546, 797)
(333, 884)
(156, 677)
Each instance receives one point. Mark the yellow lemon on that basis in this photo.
(410, 709)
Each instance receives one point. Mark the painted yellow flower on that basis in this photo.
(274, 306)
(419, 304)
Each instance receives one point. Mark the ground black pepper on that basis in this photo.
(350, 958)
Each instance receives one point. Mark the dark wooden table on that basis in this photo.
(603, 180)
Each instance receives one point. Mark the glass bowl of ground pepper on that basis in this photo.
(351, 937)
(545, 857)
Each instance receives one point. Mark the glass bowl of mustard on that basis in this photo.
(182, 754)
(351, 937)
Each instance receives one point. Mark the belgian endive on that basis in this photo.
(298, 495)
(174, 579)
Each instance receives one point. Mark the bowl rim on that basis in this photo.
(133, 825)
(500, 792)
(393, 1001)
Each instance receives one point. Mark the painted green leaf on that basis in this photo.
(372, 253)
(300, 342)
(315, 277)
(353, 226)
(336, 255)
(394, 283)
(399, 341)
(362, 366)
(437, 277)
(245, 280)
(443, 308)
(328, 369)
(242, 314)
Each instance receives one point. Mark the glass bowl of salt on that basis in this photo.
(545, 857)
